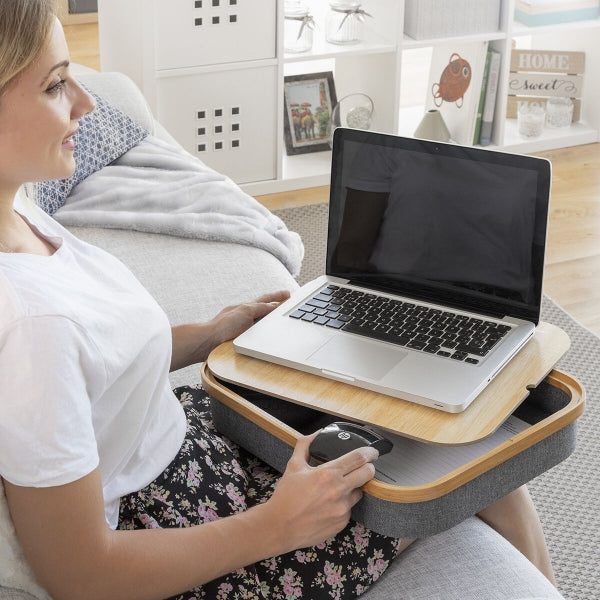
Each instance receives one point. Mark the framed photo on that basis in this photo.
(308, 103)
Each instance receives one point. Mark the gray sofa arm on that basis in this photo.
(468, 562)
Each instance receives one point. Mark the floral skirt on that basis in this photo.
(210, 478)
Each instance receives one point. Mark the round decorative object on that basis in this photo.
(354, 111)
(359, 117)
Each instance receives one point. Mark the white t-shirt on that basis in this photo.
(84, 362)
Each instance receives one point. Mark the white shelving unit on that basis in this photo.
(213, 73)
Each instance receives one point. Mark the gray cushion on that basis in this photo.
(468, 562)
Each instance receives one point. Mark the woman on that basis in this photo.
(117, 488)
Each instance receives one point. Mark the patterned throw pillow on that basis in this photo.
(103, 136)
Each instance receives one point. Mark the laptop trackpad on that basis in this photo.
(356, 358)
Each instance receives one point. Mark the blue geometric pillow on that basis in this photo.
(103, 136)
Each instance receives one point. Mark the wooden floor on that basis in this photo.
(573, 257)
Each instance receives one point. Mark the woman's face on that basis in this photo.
(39, 112)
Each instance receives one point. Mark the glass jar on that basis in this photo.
(530, 120)
(345, 22)
(298, 29)
(559, 112)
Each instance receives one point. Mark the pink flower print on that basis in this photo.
(376, 568)
(301, 557)
(181, 520)
(160, 497)
(169, 514)
(333, 574)
(224, 591)
(292, 588)
(289, 576)
(361, 540)
(261, 476)
(207, 513)
(193, 479)
(270, 564)
(234, 495)
(148, 522)
(237, 469)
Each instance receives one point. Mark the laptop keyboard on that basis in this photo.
(408, 324)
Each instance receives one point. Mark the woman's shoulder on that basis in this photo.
(28, 209)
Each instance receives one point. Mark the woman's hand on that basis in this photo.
(193, 343)
(311, 504)
(234, 320)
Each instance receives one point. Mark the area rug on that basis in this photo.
(567, 496)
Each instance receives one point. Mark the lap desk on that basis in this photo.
(444, 467)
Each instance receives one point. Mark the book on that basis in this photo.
(484, 80)
(487, 119)
(455, 81)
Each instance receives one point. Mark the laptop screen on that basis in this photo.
(455, 225)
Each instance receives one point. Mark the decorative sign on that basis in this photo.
(535, 75)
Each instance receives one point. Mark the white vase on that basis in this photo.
(433, 127)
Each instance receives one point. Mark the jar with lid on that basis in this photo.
(298, 27)
(345, 21)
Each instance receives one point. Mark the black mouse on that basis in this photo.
(340, 438)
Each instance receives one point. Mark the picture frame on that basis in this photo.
(309, 100)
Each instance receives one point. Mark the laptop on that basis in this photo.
(434, 268)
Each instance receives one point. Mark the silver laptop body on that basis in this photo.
(436, 248)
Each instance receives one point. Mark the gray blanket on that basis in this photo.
(159, 188)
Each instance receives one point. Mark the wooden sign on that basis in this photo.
(536, 75)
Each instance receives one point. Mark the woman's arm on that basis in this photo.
(193, 343)
(75, 555)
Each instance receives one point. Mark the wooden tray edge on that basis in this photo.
(445, 484)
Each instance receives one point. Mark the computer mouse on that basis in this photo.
(339, 438)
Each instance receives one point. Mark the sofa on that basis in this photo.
(194, 278)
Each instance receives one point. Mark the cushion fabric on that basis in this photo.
(103, 136)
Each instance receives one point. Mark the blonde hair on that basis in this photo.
(24, 29)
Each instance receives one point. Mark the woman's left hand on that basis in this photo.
(193, 343)
(234, 320)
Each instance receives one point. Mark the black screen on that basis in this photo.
(443, 223)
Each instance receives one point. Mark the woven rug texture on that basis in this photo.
(567, 496)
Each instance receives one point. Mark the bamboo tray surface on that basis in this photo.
(488, 411)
